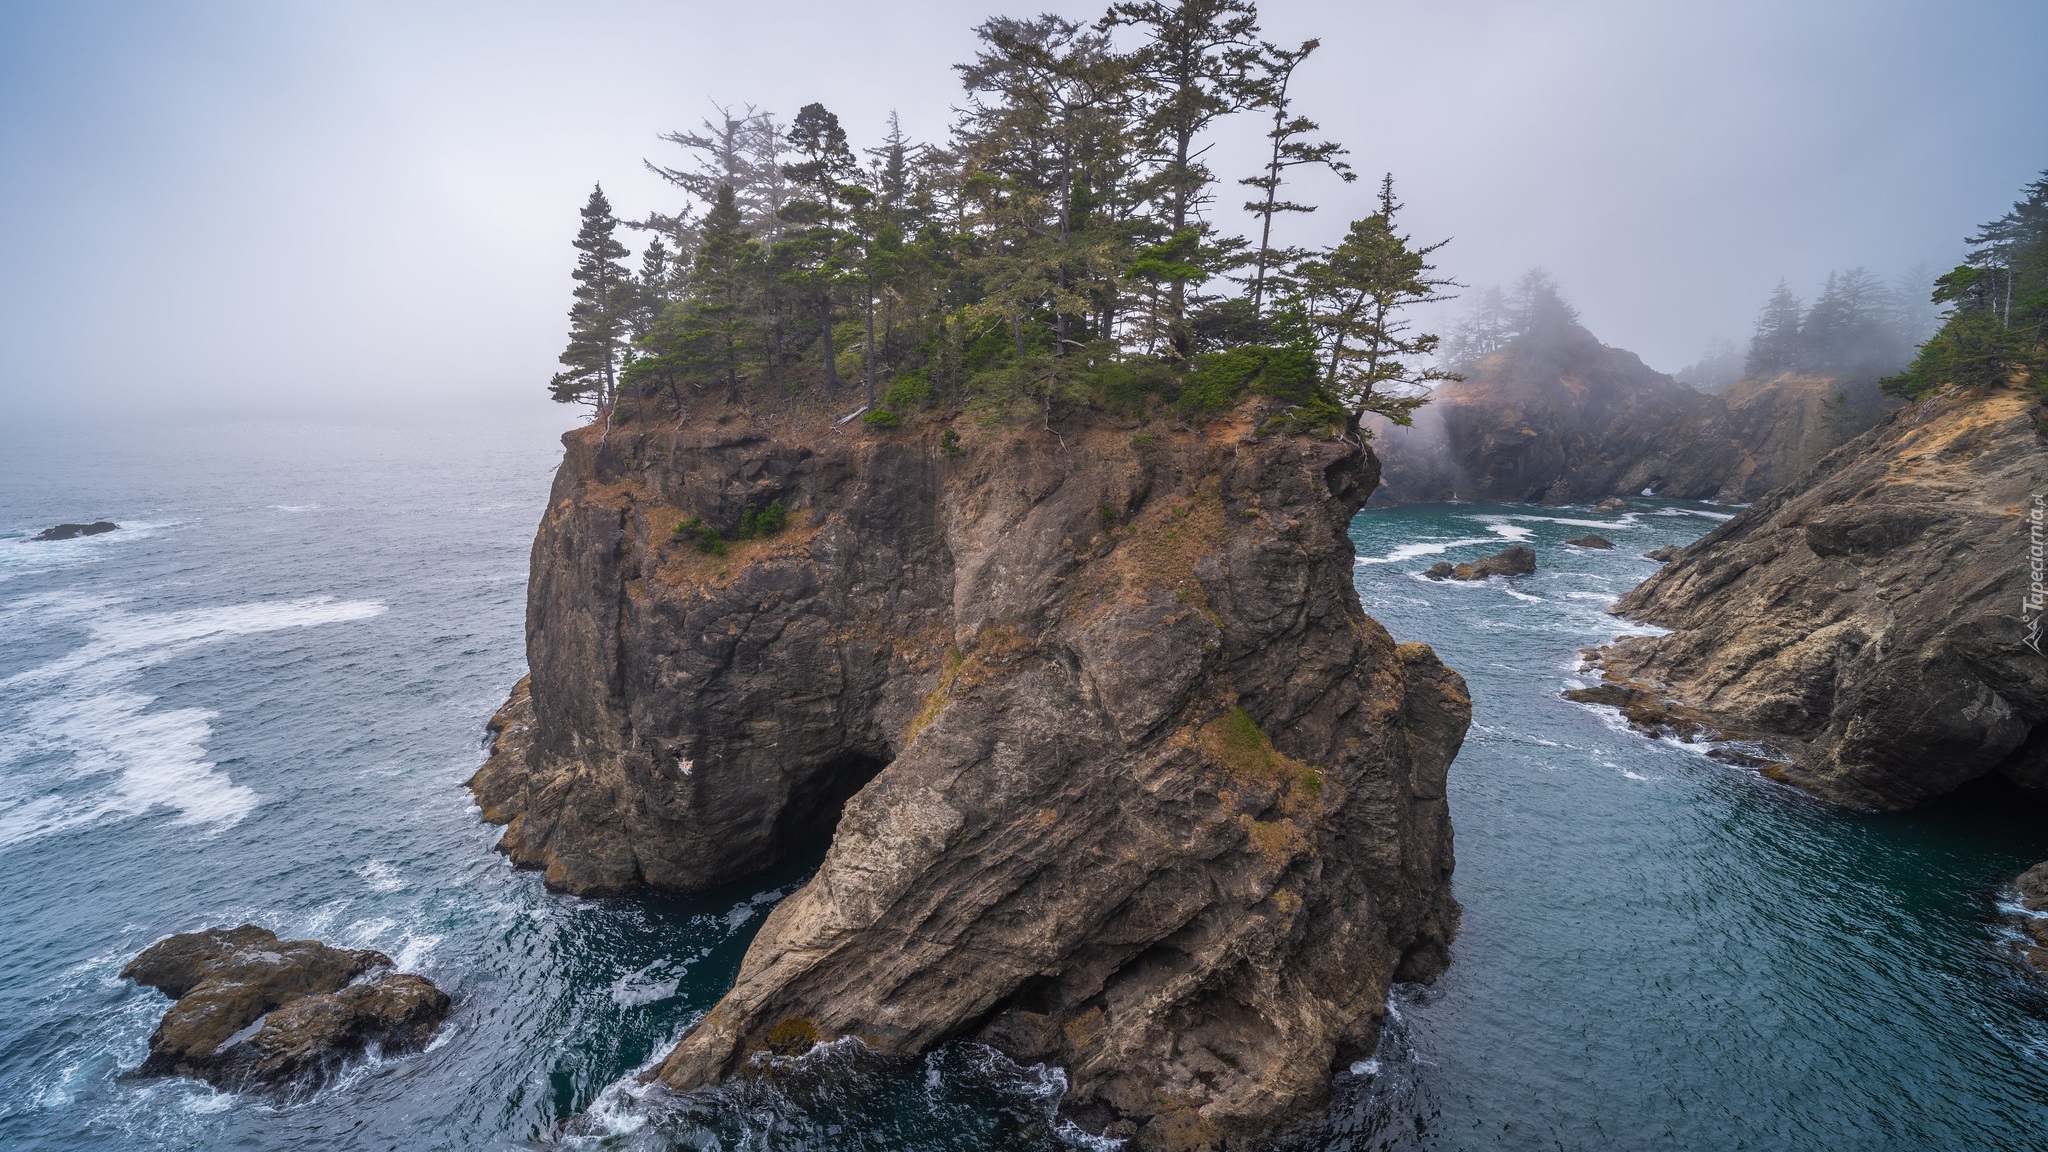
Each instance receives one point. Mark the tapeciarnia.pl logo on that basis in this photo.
(2037, 565)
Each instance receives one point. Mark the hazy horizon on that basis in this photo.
(243, 208)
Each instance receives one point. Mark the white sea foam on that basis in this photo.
(1500, 526)
(83, 713)
(1424, 548)
(294, 507)
(381, 877)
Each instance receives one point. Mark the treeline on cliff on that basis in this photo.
(1058, 248)
(1995, 330)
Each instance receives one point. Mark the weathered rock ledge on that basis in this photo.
(1872, 620)
(1117, 773)
(253, 1010)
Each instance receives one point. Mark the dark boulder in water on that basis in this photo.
(1613, 504)
(73, 531)
(1441, 570)
(1590, 541)
(1664, 555)
(1515, 560)
(255, 1010)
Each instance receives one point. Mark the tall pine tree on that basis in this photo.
(1775, 346)
(600, 318)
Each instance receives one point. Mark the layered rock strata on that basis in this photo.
(1117, 774)
(255, 1010)
(1878, 622)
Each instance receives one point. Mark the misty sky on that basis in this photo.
(216, 207)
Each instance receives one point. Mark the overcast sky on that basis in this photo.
(224, 206)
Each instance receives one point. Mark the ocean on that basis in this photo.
(259, 699)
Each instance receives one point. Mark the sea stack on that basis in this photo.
(1118, 775)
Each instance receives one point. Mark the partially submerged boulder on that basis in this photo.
(253, 1010)
(1613, 504)
(1664, 555)
(73, 531)
(1515, 560)
(1590, 541)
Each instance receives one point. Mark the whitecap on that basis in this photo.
(381, 877)
(294, 507)
(1423, 548)
(1500, 527)
(83, 712)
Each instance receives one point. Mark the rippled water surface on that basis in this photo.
(259, 699)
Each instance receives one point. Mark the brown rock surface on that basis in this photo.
(1869, 620)
(1590, 541)
(1130, 783)
(312, 1004)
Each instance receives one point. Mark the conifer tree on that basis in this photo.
(1775, 346)
(819, 250)
(1356, 297)
(1289, 150)
(1196, 65)
(599, 319)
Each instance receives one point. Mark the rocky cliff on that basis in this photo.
(1877, 622)
(1116, 772)
(1558, 417)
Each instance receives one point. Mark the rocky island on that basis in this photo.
(254, 1011)
(1117, 774)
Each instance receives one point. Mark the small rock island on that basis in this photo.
(255, 1011)
(74, 531)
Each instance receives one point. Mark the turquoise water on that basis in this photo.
(258, 701)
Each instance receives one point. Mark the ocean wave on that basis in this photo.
(1424, 548)
(87, 746)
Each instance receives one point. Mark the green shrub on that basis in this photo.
(755, 525)
(911, 390)
(882, 418)
(949, 444)
(707, 537)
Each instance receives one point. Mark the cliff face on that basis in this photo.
(1130, 783)
(1559, 417)
(1872, 621)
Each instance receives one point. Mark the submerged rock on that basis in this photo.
(73, 531)
(1590, 541)
(254, 1010)
(1613, 504)
(1878, 620)
(1117, 773)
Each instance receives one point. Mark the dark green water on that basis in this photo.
(259, 700)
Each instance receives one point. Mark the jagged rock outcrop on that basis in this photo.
(74, 531)
(255, 1010)
(1514, 560)
(1878, 623)
(1117, 774)
(1558, 417)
